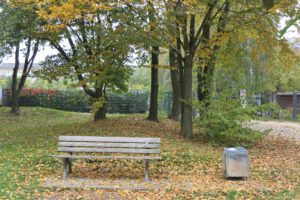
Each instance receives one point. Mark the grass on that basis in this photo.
(188, 170)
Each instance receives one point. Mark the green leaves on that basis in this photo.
(222, 122)
(100, 45)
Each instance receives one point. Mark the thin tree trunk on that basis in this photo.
(14, 92)
(153, 110)
(175, 80)
(202, 74)
(28, 63)
(205, 75)
(204, 81)
(17, 86)
(181, 75)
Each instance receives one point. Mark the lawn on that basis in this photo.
(188, 170)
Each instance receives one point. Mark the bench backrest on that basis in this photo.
(96, 144)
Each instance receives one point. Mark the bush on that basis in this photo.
(222, 123)
(274, 111)
(270, 110)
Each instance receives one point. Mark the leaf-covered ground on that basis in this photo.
(188, 170)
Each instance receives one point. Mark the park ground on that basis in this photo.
(188, 170)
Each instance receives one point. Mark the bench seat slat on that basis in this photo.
(109, 157)
(108, 139)
(115, 145)
(108, 150)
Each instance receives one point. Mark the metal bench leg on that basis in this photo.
(65, 168)
(70, 165)
(147, 171)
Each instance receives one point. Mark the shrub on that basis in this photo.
(274, 111)
(222, 123)
(270, 109)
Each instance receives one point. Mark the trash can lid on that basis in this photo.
(235, 151)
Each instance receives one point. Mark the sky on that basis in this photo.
(292, 33)
(41, 55)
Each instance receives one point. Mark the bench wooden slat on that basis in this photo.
(108, 150)
(108, 139)
(101, 144)
(113, 147)
(109, 157)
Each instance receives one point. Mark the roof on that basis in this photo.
(12, 65)
(286, 93)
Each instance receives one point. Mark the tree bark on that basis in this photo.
(175, 81)
(153, 110)
(268, 4)
(188, 43)
(202, 74)
(100, 93)
(205, 81)
(15, 109)
(100, 114)
(187, 112)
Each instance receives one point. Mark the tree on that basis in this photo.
(175, 82)
(200, 36)
(19, 26)
(99, 46)
(181, 30)
(189, 35)
(206, 70)
(153, 109)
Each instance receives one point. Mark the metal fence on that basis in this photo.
(78, 101)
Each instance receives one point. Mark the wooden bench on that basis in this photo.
(94, 147)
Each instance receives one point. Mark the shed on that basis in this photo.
(285, 100)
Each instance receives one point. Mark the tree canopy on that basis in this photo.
(97, 42)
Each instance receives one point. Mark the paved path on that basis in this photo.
(289, 130)
(122, 184)
(108, 187)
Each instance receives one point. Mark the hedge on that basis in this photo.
(78, 101)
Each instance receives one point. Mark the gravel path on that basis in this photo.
(290, 130)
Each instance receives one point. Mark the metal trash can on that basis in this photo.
(235, 162)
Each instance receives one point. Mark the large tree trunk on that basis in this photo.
(187, 112)
(100, 114)
(187, 93)
(100, 93)
(14, 91)
(153, 110)
(175, 80)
